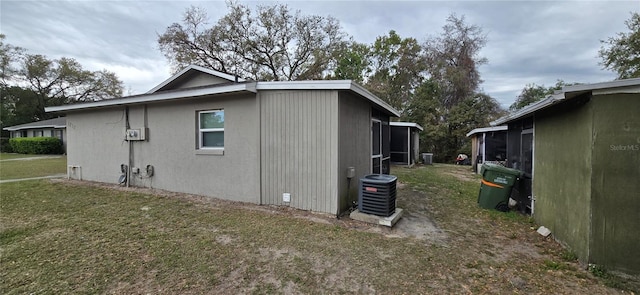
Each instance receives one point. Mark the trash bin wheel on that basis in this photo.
(502, 206)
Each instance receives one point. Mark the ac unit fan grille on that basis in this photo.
(377, 197)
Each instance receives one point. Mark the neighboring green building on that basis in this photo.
(581, 148)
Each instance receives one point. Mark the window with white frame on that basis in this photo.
(211, 129)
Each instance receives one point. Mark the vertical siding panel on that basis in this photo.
(263, 150)
(310, 173)
(325, 156)
(299, 136)
(334, 152)
(321, 129)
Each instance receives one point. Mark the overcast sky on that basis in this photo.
(528, 41)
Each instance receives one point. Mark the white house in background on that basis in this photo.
(45, 128)
(289, 143)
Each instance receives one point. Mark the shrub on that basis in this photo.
(36, 145)
(5, 147)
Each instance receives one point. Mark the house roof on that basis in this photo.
(248, 87)
(51, 123)
(190, 70)
(226, 88)
(407, 124)
(570, 92)
(488, 129)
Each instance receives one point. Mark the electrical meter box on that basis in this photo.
(136, 134)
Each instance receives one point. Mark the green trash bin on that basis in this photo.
(496, 185)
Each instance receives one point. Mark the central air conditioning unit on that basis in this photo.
(377, 195)
(136, 134)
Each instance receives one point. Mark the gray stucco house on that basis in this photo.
(203, 132)
(46, 128)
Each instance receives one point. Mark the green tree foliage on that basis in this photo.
(473, 112)
(446, 128)
(353, 62)
(397, 69)
(18, 106)
(391, 68)
(31, 82)
(272, 44)
(426, 110)
(532, 93)
(622, 52)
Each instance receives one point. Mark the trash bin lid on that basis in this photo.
(501, 169)
(379, 178)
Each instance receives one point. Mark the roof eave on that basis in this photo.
(34, 127)
(488, 129)
(407, 124)
(603, 85)
(157, 97)
(530, 109)
(364, 92)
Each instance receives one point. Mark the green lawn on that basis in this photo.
(14, 169)
(68, 237)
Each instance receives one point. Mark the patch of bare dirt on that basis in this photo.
(462, 175)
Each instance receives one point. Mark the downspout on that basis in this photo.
(533, 163)
(145, 122)
(408, 146)
(145, 117)
(129, 154)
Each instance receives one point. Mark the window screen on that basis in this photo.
(211, 129)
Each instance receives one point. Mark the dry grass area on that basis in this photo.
(79, 237)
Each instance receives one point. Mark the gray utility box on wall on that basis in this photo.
(377, 195)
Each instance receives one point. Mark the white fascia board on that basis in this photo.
(360, 90)
(602, 85)
(35, 127)
(488, 129)
(327, 85)
(156, 97)
(634, 89)
(612, 87)
(407, 124)
(305, 85)
(225, 76)
(550, 100)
